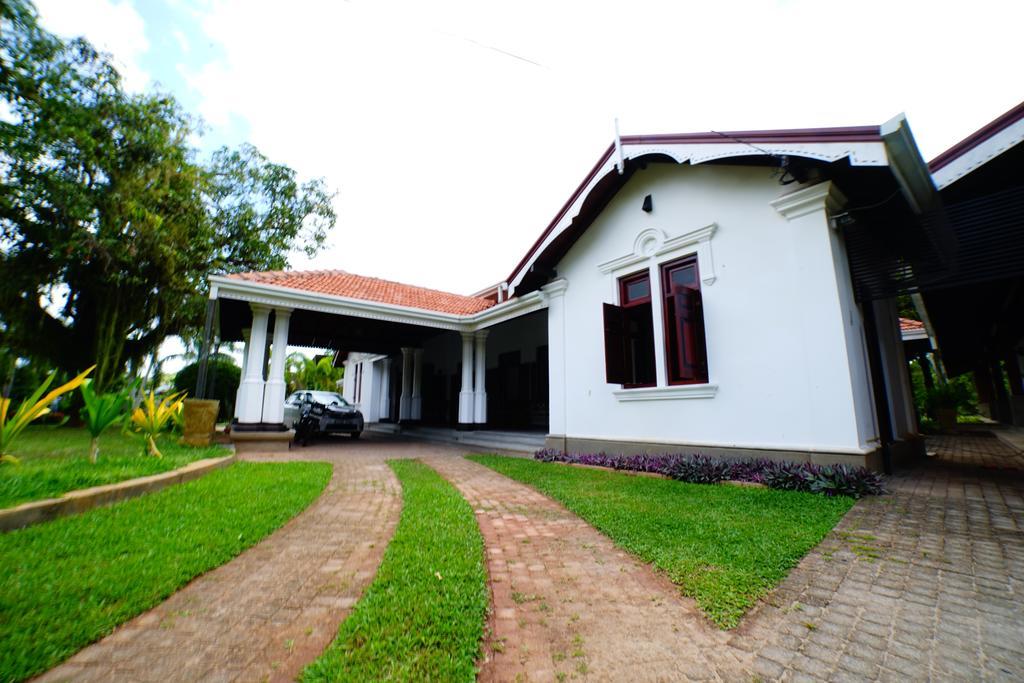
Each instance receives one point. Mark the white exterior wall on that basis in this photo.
(786, 357)
(372, 368)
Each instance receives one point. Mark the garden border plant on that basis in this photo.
(784, 475)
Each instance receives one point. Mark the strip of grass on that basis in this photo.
(56, 460)
(725, 546)
(422, 617)
(67, 583)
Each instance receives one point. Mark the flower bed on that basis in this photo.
(829, 480)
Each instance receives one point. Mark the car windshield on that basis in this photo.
(328, 398)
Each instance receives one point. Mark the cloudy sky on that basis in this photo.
(453, 130)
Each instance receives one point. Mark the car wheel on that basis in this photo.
(355, 435)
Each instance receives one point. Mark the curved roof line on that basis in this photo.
(707, 146)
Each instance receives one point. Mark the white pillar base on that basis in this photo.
(466, 407)
(273, 401)
(480, 407)
(250, 400)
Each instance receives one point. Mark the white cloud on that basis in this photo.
(112, 26)
(451, 156)
(182, 40)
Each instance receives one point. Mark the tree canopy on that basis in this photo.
(110, 222)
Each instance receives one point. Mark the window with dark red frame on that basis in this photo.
(629, 334)
(686, 352)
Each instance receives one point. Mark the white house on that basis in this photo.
(695, 293)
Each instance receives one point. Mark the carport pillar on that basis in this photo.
(384, 403)
(554, 292)
(417, 383)
(405, 400)
(250, 391)
(480, 379)
(245, 363)
(274, 394)
(466, 391)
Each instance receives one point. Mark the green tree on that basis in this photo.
(318, 374)
(110, 223)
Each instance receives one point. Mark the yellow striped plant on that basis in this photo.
(35, 406)
(151, 417)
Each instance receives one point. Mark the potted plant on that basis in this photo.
(944, 399)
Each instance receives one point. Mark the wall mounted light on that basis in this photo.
(648, 204)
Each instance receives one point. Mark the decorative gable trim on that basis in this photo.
(655, 242)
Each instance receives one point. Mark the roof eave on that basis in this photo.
(907, 165)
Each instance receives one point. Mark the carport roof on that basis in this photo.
(352, 286)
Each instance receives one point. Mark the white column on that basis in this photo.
(245, 364)
(480, 379)
(274, 394)
(416, 412)
(405, 400)
(466, 392)
(557, 343)
(250, 392)
(384, 401)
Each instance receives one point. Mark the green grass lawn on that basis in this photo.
(725, 546)
(422, 617)
(66, 583)
(56, 460)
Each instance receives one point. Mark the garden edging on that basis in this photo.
(75, 502)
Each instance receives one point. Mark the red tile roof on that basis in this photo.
(908, 325)
(349, 285)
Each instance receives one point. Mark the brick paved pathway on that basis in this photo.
(923, 584)
(274, 608)
(567, 601)
(983, 450)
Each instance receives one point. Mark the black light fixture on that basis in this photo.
(648, 204)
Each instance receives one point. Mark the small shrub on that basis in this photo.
(223, 377)
(151, 418)
(828, 480)
(100, 412)
(699, 469)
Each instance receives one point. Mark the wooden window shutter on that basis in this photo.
(689, 310)
(616, 366)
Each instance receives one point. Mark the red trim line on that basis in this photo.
(796, 135)
(977, 137)
(844, 134)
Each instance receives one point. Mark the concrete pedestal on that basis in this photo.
(261, 442)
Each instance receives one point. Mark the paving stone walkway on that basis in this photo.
(924, 584)
(568, 604)
(975, 449)
(274, 608)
